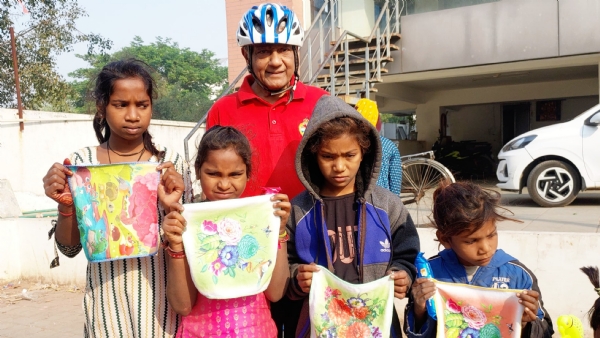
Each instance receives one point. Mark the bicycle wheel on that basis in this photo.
(420, 177)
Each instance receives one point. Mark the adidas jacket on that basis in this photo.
(387, 238)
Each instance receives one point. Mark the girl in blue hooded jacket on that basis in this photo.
(343, 221)
(465, 216)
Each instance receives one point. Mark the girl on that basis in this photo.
(594, 313)
(343, 221)
(465, 216)
(223, 166)
(123, 298)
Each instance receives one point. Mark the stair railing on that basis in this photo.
(203, 118)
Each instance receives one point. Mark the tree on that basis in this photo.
(187, 81)
(47, 31)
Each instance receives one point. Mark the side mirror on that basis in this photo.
(593, 120)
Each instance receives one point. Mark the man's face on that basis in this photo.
(273, 65)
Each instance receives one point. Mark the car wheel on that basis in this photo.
(553, 184)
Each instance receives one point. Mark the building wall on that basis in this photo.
(430, 111)
(483, 122)
(235, 10)
(502, 31)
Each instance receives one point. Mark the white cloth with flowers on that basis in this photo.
(231, 245)
(471, 311)
(342, 309)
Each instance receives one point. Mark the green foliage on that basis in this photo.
(47, 31)
(187, 81)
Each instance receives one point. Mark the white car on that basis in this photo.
(555, 162)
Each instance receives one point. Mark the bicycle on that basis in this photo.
(421, 174)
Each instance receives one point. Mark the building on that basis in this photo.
(484, 70)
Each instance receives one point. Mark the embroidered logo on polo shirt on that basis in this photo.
(302, 126)
(386, 246)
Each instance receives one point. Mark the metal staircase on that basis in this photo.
(344, 63)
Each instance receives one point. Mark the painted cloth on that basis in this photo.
(128, 298)
(386, 238)
(342, 309)
(503, 272)
(390, 174)
(244, 317)
(111, 203)
(231, 245)
(274, 131)
(471, 311)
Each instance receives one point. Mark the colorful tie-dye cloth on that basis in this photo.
(470, 311)
(231, 245)
(116, 209)
(341, 309)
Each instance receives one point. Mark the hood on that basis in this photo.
(326, 109)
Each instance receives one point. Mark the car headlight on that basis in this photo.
(519, 143)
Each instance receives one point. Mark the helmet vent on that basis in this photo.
(257, 25)
(269, 14)
(282, 25)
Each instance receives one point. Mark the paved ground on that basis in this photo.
(44, 311)
(56, 311)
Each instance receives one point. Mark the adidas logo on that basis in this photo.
(386, 246)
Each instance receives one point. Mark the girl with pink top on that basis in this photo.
(223, 166)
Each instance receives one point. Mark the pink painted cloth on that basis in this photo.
(238, 317)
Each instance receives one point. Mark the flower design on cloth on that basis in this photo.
(466, 311)
(230, 231)
(115, 213)
(353, 316)
(229, 253)
(473, 316)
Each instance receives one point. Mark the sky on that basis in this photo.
(194, 24)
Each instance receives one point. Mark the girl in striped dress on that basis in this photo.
(127, 297)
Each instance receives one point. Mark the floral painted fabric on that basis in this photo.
(470, 311)
(341, 309)
(116, 209)
(231, 245)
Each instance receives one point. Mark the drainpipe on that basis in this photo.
(16, 70)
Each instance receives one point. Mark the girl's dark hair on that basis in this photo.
(103, 89)
(337, 127)
(594, 313)
(333, 129)
(217, 138)
(464, 206)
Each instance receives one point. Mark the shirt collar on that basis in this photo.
(245, 93)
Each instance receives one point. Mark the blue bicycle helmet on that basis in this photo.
(270, 23)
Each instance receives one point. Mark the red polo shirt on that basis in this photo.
(274, 131)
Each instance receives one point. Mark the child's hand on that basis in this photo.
(422, 290)
(170, 187)
(529, 299)
(401, 282)
(305, 274)
(173, 226)
(285, 206)
(56, 185)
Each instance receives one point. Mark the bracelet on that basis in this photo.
(175, 254)
(170, 252)
(65, 214)
(284, 235)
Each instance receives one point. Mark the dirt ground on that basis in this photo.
(33, 309)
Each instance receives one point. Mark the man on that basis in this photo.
(272, 109)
